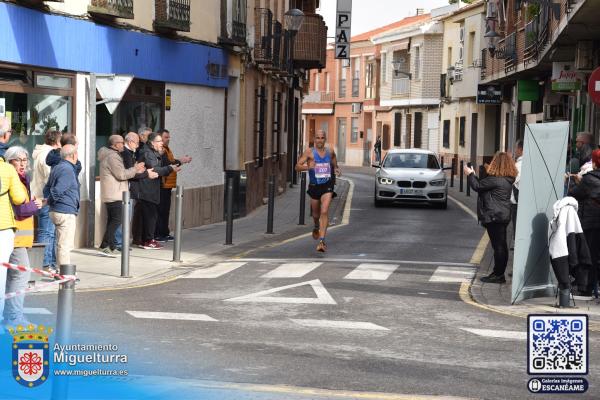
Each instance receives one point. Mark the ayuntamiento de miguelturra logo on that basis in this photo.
(30, 354)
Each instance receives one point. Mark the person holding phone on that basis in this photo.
(493, 208)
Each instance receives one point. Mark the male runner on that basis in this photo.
(319, 161)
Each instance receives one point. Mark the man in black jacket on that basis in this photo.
(149, 189)
(132, 144)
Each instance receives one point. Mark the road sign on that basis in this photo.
(342, 29)
(112, 88)
(594, 86)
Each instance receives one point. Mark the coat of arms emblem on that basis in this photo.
(30, 354)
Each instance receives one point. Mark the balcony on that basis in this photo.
(355, 86)
(400, 86)
(458, 71)
(263, 36)
(172, 15)
(233, 23)
(38, 3)
(318, 96)
(111, 8)
(310, 43)
(278, 49)
(342, 88)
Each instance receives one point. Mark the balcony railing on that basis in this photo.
(458, 71)
(263, 36)
(484, 56)
(510, 52)
(318, 96)
(112, 8)
(310, 43)
(173, 15)
(355, 86)
(342, 88)
(400, 86)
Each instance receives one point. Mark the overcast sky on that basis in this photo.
(371, 14)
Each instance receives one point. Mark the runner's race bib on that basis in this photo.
(322, 170)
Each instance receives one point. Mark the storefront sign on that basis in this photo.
(594, 86)
(342, 29)
(489, 94)
(168, 99)
(565, 78)
(528, 90)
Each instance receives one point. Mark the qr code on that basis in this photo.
(557, 344)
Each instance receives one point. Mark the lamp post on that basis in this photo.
(292, 21)
(398, 66)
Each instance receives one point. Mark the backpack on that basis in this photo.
(515, 191)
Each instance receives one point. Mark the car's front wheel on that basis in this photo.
(376, 201)
(443, 205)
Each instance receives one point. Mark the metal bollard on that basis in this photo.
(178, 223)
(229, 208)
(64, 314)
(462, 175)
(302, 198)
(468, 188)
(452, 173)
(126, 229)
(442, 161)
(271, 204)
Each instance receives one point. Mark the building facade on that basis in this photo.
(542, 61)
(48, 72)
(464, 130)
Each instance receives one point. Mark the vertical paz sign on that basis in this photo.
(342, 29)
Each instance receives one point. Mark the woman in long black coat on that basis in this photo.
(493, 208)
(587, 193)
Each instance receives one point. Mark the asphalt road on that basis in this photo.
(379, 313)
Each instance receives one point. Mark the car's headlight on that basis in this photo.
(438, 182)
(386, 181)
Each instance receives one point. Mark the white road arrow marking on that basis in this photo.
(165, 315)
(515, 335)
(292, 270)
(325, 323)
(215, 271)
(368, 271)
(323, 296)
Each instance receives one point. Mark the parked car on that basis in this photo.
(411, 175)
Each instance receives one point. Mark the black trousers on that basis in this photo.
(592, 237)
(149, 216)
(114, 211)
(164, 209)
(137, 223)
(497, 233)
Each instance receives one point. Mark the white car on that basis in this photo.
(411, 175)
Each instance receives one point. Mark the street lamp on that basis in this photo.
(292, 22)
(398, 65)
(491, 39)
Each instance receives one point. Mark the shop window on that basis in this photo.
(35, 105)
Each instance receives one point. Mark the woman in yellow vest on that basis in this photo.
(18, 157)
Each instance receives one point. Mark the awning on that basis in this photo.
(400, 45)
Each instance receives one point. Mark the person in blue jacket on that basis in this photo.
(62, 192)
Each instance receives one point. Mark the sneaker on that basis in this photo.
(116, 252)
(170, 238)
(321, 247)
(151, 245)
(106, 252)
(50, 269)
(315, 233)
(137, 244)
(162, 239)
(493, 278)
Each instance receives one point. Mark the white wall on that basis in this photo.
(196, 125)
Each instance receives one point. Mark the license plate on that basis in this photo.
(410, 191)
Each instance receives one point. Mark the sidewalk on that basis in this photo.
(200, 246)
(497, 298)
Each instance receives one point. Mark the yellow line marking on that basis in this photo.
(480, 249)
(319, 392)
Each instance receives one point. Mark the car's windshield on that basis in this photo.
(411, 160)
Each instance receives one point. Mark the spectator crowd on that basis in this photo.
(47, 187)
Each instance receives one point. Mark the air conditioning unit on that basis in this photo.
(356, 107)
(450, 73)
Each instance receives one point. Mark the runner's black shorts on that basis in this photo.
(317, 191)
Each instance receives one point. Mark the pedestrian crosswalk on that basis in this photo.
(360, 271)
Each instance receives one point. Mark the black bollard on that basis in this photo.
(271, 204)
(452, 173)
(442, 161)
(462, 175)
(302, 199)
(468, 188)
(229, 227)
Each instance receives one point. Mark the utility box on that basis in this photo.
(240, 181)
